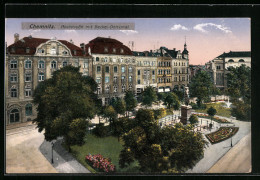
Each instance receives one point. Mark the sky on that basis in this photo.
(206, 38)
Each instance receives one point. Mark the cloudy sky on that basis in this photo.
(206, 38)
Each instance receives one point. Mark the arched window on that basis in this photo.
(28, 109)
(28, 64)
(53, 65)
(14, 116)
(41, 64)
(230, 60)
(241, 60)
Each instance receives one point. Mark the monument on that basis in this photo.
(186, 109)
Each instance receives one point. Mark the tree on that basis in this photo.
(65, 103)
(149, 96)
(239, 88)
(172, 100)
(211, 112)
(110, 114)
(201, 86)
(193, 119)
(179, 93)
(130, 101)
(120, 106)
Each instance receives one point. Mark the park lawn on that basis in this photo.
(109, 147)
(221, 111)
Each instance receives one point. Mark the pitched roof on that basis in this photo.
(236, 54)
(32, 43)
(99, 44)
(144, 53)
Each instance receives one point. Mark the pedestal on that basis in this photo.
(185, 113)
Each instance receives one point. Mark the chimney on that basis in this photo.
(89, 51)
(71, 41)
(16, 37)
(174, 49)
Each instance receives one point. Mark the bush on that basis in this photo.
(101, 130)
(193, 119)
(159, 113)
(194, 105)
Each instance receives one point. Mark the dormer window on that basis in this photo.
(27, 50)
(105, 49)
(41, 51)
(75, 52)
(12, 49)
(114, 50)
(121, 51)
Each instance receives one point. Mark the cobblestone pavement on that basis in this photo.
(63, 161)
(214, 152)
(22, 151)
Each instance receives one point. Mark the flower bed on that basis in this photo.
(99, 163)
(217, 119)
(222, 134)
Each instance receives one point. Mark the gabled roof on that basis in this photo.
(144, 53)
(236, 54)
(98, 45)
(32, 43)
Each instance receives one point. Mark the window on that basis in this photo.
(153, 72)
(130, 69)
(98, 69)
(183, 78)
(138, 72)
(98, 80)
(105, 60)
(241, 60)
(41, 64)
(218, 67)
(41, 76)
(13, 64)
(130, 86)
(115, 88)
(175, 78)
(28, 92)
(75, 52)
(123, 69)
(13, 92)
(65, 52)
(97, 59)
(121, 51)
(85, 64)
(123, 79)
(115, 69)
(53, 65)
(138, 81)
(12, 49)
(65, 63)
(115, 79)
(107, 69)
(230, 60)
(28, 64)
(14, 116)
(27, 50)
(107, 79)
(107, 89)
(28, 109)
(130, 78)
(114, 50)
(28, 77)
(40, 50)
(123, 88)
(13, 77)
(105, 49)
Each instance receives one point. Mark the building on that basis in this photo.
(146, 70)
(173, 69)
(218, 67)
(114, 67)
(30, 60)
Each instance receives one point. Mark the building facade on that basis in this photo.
(32, 60)
(114, 67)
(146, 70)
(218, 67)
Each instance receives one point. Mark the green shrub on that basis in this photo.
(101, 130)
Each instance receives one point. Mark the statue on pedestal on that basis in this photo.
(186, 96)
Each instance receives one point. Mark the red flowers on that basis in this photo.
(222, 134)
(100, 163)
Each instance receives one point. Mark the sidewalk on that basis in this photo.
(236, 160)
(63, 161)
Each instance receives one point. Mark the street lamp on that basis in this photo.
(52, 144)
(231, 142)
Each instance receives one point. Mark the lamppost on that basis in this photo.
(52, 144)
(231, 142)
